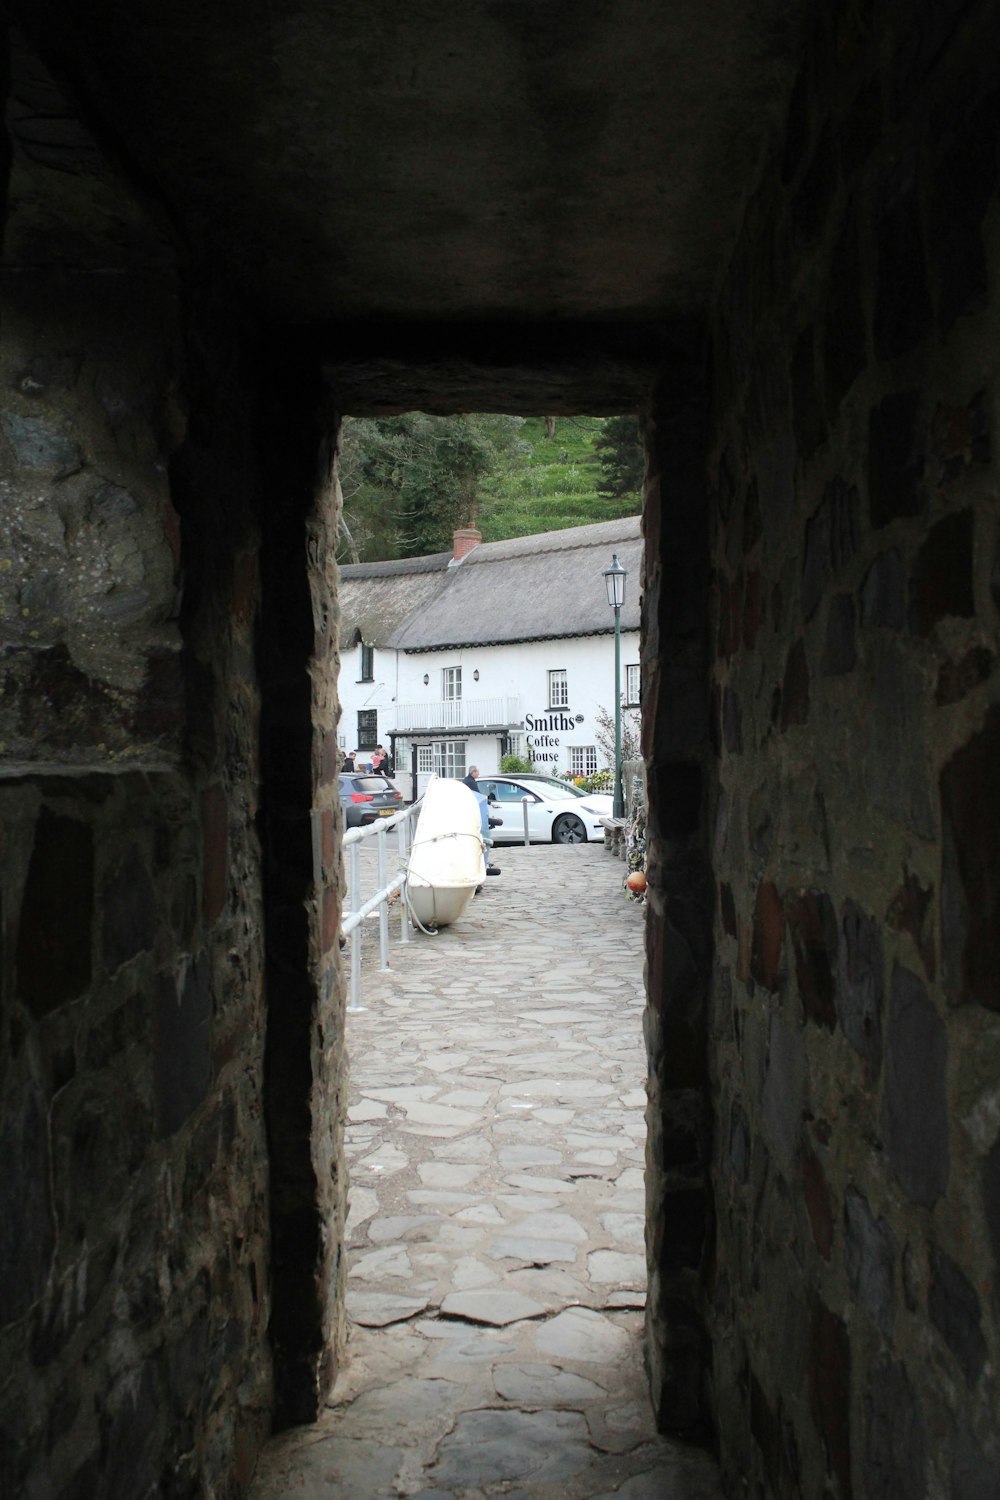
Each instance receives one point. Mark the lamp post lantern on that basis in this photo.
(614, 578)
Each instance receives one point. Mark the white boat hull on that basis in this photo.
(446, 864)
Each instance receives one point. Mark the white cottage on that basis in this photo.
(456, 659)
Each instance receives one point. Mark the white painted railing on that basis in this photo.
(459, 713)
(355, 909)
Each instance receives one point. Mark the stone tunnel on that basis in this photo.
(770, 227)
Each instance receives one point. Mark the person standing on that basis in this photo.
(348, 762)
(470, 780)
(380, 763)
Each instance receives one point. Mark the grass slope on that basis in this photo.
(554, 487)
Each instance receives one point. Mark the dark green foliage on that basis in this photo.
(409, 481)
(622, 460)
(513, 763)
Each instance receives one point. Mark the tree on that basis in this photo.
(408, 481)
(631, 735)
(622, 458)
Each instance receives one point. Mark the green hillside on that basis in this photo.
(409, 481)
(557, 485)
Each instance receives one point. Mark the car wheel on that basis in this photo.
(569, 830)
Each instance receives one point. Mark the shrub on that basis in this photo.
(601, 781)
(514, 763)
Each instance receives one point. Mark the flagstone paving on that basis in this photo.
(496, 1140)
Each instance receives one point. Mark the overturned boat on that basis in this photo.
(447, 863)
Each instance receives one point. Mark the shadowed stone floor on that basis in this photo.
(496, 1140)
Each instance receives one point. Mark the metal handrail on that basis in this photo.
(353, 916)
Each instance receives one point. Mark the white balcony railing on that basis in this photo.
(459, 713)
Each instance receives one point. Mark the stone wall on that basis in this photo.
(854, 1027)
(134, 1222)
(679, 903)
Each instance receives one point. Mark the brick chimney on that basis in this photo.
(463, 541)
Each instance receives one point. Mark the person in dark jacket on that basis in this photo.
(470, 780)
(348, 763)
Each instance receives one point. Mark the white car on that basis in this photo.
(557, 811)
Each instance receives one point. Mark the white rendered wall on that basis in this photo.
(508, 671)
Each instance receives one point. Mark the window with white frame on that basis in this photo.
(425, 759)
(632, 685)
(449, 759)
(451, 683)
(583, 759)
(367, 663)
(558, 689)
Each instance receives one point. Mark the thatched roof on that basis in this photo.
(529, 588)
(377, 598)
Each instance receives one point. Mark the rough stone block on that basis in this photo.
(895, 1459)
(819, 1203)
(896, 762)
(784, 1090)
(941, 582)
(331, 919)
(215, 851)
(991, 1208)
(956, 679)
(960, 437)
(27, 1228)
(974, 1475)
(739, 1144)
(831, 540)
(970, 894)
(882, 593)
(861, 984)
(136, 1422)
(896, 459)
(829, 1385)
(753, 608)
(182, 1045)
(910, 911)
(839, 651)
(732, 721)
(54, 937)
(953, 1305)
(37, 444)
(768, 936)
(128, 920)
(915, 1105)
(871, 1260)
(727, 909)
(812, 924)
(730, 614)
(795, 687)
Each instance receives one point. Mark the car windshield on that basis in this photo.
(554, 786)
(553, 790)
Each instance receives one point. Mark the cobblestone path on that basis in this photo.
(496, 1141)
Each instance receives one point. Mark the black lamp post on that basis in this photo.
(615, 577)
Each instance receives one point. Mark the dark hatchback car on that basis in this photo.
(365, 799)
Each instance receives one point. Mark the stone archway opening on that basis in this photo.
(398, 1236)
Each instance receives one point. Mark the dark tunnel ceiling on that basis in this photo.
(529, 160)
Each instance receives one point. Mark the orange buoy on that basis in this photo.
(637, 880)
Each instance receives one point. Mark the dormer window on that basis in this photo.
(367, 663)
